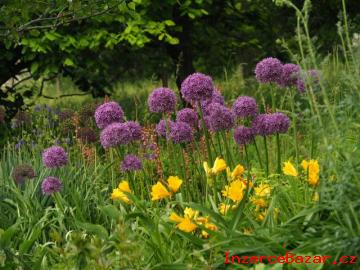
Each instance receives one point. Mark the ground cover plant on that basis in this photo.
(192, 179)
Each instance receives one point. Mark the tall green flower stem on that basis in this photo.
(266, 157)
(207, 135)
(112, 167)
(228, 153)
(278, 153)
(169, 143)
(292, 96)
(258, 154)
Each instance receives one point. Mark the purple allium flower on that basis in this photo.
(243, 135)
(54, 156)
(268, 124)
(216, 98)
(135, 130)
(162, 100)
(181, 132)
(131, 163)
(22, 172)
(188, 116)
(245, 106)
(263, 125)
(268, 70)
(290, 75)
(86, 135)
(220, 117)
(197, 87)
(281, 122)
(300, 85)
(50, 185)
(115, 134)
(314, 75)
(161, 127)
(108, 113)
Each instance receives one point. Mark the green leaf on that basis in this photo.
(111, 211)
(34, 67)
(7, 235)
(132, 5)
(69, 62)
(27, 244)
(94, 229)
(169, 23)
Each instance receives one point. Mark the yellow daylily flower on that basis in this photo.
(259, 202)
(219, 166)
(224, 208)
(289, 169)
(174, 183)
(124, 186)
(159, 191)
(118, 193)
(262, 190)
(186, 225)
(190, 213)
(313, 169)
(175, 218)
(236, 173)
(234, 191)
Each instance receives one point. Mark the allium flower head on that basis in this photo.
(181, 132)
(269, 124)
(54, 156)
(115, 134)
(290, 75)
(50, 185)
(243, 135)
(220, 117)
(22, 172)
(197, 87)
(162, 126)
(131, 163)
(281, 122)
(268, 70)
(188, 116)
(108, 113)
(86, 135)
(135, 130)
(162, 100)
(245, 106)
(216, 98)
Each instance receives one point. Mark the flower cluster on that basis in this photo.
(119, 193)
(159, 191)
(260, 200)
(311, 170)
(245, 106)
(108, 113)
(120, 133)
(131, 163)
(191, 221)
(197, 87)
(50, 185)
(269, 124)
(162, 100)
(54, 157)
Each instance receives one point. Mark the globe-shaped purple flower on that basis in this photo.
(269, 124)
(115, 134)
(281, 122)
(290, 75)
(300, 85)
(216, 98)
(268, 70)
(108, 113)
(197, 87)
(131, 163)
(181, 132)
(54, 156)
(188, 116)
(50, 185)
(162, 127)
(162, 100)
(245, 106)
(243, 135)
(135, 130)
(220, 117)
(263, 125)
